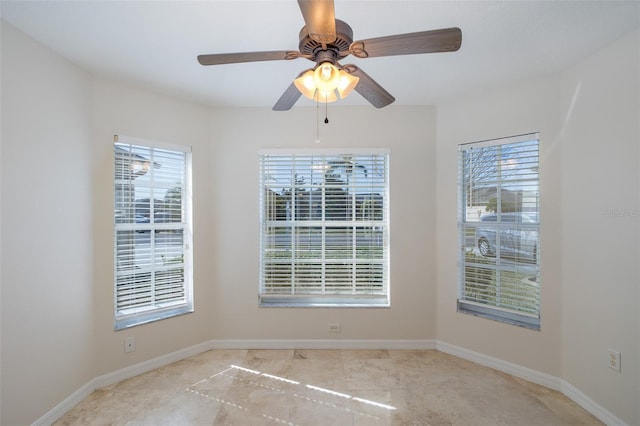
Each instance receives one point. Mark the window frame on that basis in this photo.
(495, 271)
(181, 258)
(267, 298)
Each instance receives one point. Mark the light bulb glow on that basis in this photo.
(325, 72)
(325, 83)
(326, 77)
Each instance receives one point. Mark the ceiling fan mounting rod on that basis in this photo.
(328, 55)
(343, 39)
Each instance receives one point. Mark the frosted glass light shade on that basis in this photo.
(328, 97)
(346, 83)
(305, 84)
(322, 83)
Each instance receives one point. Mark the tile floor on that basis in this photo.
(326, 387)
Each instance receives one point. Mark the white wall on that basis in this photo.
(601, 226)
(525, 108)
(47, 237)
(588, 119)
(121, 109)
(58, 124)
(238, 136)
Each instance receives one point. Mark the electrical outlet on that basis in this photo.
(334, 327)
(129, 344)
(614, 360)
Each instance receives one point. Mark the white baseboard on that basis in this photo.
(69, 402)
(152, 364)
(534, 376)
(114, 377)
(590, 405)
(537, 377)
(322, 344)
(126, 373)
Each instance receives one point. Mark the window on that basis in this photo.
(324, 229)
(498, 221)
(152, 231)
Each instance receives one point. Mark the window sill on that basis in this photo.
(505, 316)
(279, 301)
(129, 321)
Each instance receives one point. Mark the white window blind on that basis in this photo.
(152, 231)
(324, 229)
(499, 228)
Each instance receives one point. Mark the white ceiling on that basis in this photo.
(154, 44)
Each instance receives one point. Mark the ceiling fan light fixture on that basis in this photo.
(326, 77)
(325, 97)
(325, 40)
(325, 83)
(346, 83)
(305, 84)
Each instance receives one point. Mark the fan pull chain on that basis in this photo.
(326, 110)
(326, 115)
(317, 121)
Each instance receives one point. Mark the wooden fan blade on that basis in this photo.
(234, 58)
(443, 40)
(288, 99)
(369, 89)
(320, 19)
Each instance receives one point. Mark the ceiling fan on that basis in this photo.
(325, 40)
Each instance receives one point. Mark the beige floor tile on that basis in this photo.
(361, 354)
(332, 387)
(318, 354)
(269, 354)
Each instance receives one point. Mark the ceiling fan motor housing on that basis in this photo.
(338, 49)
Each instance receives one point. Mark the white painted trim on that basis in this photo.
(116, 376)
(152, 364)
(323, 151)
(322, 344)
(534, 376)
(543, 379)
(69, 402)
(150, 143)
(577, 396)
